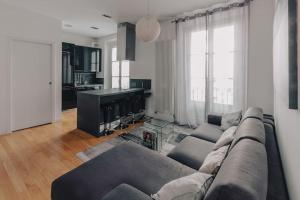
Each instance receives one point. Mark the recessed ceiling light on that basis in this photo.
(107, 16)
(68, 25)
(94, 27)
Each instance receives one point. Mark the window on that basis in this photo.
(216, 69)
(120, 72)
(223, 62)
(198, 65)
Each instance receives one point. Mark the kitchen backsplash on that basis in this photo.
(87, 78)
(140, 83)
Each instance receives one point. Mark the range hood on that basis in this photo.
(126, 39)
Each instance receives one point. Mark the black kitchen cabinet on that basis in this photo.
(94, 59)
(79, 58)
(79, 66)
(87, 59)
(69, 96)
(69, 49)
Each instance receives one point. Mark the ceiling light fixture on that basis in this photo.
(148, 28)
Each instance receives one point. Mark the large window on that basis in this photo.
(198, 65)
(212, 65)
(223, 65)
(120, 72)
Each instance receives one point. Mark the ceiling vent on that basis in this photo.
(107, 16)
(68, 25)
(94, 27)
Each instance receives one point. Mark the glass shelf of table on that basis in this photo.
(154, 134)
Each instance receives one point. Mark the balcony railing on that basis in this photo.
(222, 92)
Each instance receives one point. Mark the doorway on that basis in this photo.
(31, 87)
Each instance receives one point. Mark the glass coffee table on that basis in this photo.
(154, 134)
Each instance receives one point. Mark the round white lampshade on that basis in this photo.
(148, 29)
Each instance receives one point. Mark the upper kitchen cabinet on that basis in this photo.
(79, 58)
(126, 41)
(94, 59)
(69, 49)
(87, 59)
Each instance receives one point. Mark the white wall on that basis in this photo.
(106, 43)
(142, 68)
(17, 23)
(260, 65)
(287, 121)
(78, 39)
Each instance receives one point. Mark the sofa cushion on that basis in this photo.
(126, 192)
(190, 187)
(208, 132)
(226, 138)
(253, 112)
(231, 119)
(243, 174)
(214, 119)
(191, 152)
(126, 163)
(250, 128)
(214, 160)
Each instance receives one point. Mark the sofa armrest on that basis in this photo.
(214, 119)
(270, 117)
(126, 192)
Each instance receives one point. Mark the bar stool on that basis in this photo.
(138, 108)
(123, 113)
(126, 109)
(137, 112)
(107, 118)
(116, 118)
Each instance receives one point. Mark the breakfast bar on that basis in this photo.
(97, 108)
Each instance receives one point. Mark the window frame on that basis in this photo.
(120, 64)
(209, 75)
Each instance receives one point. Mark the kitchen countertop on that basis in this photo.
(108, 92)
(90, 85)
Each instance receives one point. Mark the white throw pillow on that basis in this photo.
(230, 119)
(226, 138)
(189, 187)
(214, 160)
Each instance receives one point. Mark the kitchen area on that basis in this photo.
(81, 67)
(100, 111)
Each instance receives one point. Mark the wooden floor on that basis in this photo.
(31, 159)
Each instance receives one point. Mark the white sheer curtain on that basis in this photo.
(190, 71)
(165, 57)
(211, 64)
(227, 50)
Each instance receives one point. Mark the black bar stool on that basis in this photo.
(124, 110)
(107, 118)
(137, 112)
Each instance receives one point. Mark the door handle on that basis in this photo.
(50, 83)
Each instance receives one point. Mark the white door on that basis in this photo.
(31, 84)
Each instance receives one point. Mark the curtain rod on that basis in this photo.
(210, 12)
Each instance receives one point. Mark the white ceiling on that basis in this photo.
(82, 14)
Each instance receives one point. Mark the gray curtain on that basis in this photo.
(165, 57)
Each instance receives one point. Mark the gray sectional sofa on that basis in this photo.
(132, 172)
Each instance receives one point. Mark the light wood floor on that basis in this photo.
(31, 159)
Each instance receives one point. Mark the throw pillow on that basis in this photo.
(226, 138)
(230, 119)
(214, 160)
(189, 187)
